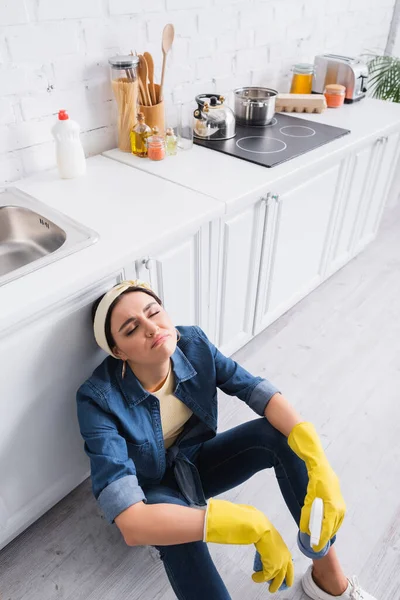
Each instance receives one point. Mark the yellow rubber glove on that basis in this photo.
(229, 523)
(323, 482)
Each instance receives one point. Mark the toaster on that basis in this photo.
(347, 71)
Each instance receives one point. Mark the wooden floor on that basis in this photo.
(336, 356)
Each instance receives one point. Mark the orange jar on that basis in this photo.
(334, 94)
(302, 79)
(156, 146)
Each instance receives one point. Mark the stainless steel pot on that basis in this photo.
(254, 105)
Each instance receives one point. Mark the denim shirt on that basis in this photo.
(121, 425)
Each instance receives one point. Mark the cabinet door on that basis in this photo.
(294, 244)
(43, 363)
(385, 162)
(241, 239)
(355, 197)
(180, 276)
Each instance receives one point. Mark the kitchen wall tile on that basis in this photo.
(121, 33)
(42, 41)
(270, 32)
(288, 10)
(186, 93)
(25, 134)
(201, 46)
(219, 21)
(256, 17)
(75, 98)
(301, 29)
(21, 79)
(73, 69)
(176, 4)
(98, 140)
(73, 9)
(7, 114)
(38, 157)
(251, 58)
(13, 13)
(11, 167)
(129, 7)
(185, 23)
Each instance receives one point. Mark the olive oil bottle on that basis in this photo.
(139, 135)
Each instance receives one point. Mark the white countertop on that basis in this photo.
(133, 213)
(230, 179)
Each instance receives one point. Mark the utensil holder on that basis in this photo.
(154, 116)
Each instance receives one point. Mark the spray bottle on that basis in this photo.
(305, 541)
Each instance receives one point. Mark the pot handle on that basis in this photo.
(253, 103)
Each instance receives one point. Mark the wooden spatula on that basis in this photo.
(143, 79)
(150, 71)
(167, 40)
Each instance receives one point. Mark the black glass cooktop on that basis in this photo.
(284, 138)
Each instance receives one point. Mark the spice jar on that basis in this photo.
(125, 87)
(139, 135)
(171, 142)
(334, 94)
(302, 78)
(156, 146)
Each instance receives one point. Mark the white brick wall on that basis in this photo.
(53, 54)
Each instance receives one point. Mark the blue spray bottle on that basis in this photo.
(304, 541)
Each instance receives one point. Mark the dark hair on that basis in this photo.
(107, 327)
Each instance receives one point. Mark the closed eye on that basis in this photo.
(134, 329)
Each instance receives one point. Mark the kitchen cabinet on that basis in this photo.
(239, 262)
(369, 173)
(386, 157)
(44, 362)
(296, 230)
(183, 276)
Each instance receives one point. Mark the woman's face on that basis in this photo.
(142, 330)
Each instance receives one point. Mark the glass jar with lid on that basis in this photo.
(155, 146)
(302, 78)
(125, 87)
(334, 94)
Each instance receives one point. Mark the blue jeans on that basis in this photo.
(224, 462)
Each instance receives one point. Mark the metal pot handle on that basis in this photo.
(253, 103)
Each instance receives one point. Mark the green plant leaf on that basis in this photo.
(384, 78)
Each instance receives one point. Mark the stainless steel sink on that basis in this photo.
(33, 235)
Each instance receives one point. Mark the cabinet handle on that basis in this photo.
(265, 199)
(147, 262)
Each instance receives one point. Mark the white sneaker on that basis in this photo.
(353, 592)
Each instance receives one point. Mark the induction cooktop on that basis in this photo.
(284, 138)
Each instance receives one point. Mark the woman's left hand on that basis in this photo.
(323, 482)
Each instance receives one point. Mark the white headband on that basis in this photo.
(104, 305)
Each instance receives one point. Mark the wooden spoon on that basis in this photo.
(150, 69)
(167, 40)
(143, 79)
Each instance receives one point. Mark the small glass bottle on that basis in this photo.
(302, 78)
(171, 142)
(156, 146)
(139, 135)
